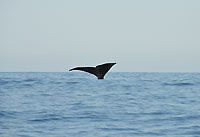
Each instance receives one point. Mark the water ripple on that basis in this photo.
(123, 104)
(178, 84)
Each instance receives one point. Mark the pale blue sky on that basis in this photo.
(139, 35)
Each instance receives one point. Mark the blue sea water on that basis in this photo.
(77, 104)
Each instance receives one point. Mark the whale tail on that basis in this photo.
(99, 71)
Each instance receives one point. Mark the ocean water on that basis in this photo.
(77, 104)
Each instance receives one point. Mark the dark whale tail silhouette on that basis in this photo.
(99, 71)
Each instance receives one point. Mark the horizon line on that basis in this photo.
(109, 72)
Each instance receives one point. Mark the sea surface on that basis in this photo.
(77, 104)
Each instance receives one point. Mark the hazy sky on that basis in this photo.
(139, 35)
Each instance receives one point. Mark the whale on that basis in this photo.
(99, 71)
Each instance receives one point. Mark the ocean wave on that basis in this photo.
(178, 84)
(72, 82)
(118, 129)
(27, 85)
(45, 119)
(7, 114)
(20, 82)
(55, 82)
(5, 82)
(30, 80)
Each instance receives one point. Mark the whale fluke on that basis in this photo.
(99, 71)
